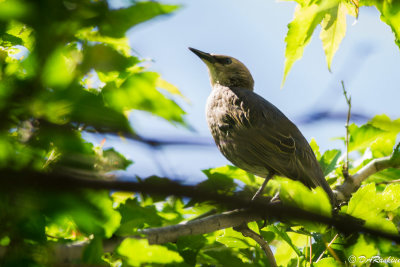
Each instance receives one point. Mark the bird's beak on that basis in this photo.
(206, 57)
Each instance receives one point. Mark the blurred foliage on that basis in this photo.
(66, 68)
(332, 16)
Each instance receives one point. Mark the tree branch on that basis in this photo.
(351, 185)
(343, 193)
(247, 232)
(200, 226)
(249, 210)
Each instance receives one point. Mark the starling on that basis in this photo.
(251, 132)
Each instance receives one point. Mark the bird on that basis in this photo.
(251, 132)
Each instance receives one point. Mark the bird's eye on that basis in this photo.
(225, 61)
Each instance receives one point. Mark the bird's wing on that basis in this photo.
(275, 141)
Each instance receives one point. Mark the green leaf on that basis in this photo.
(135, 216)
(327, 262)
(315, 148)
(289, 248)
(366, 204)
(395, 158)
(107, 218)
(4, 241)
(79, 106)
(189, 247)
(297, 194)
(234, 239)
(110, 160)
(8, 40)
(284, 236)
(385, 123)
(300, 30)
(333, 31)
(361, 250)
(93, 252)
(390, 14)
(384, 176)
(363, 137)
(384, 144)
(225, 257)
(138, 252)
(233, 173)
(13, 9)
(92, 35)
(169, 87)
(217, 182)
(139, 92)
(328, 161)
(59, 70)
(391, 199)
(120, 20)
(110, 60)
(21, 34)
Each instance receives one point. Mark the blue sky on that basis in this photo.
(253, 31)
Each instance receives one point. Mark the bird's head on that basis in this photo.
(226, 70)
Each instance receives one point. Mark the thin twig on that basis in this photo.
(310, 242)
(346, 162)
(327, 246)
(334, 255)
(247, 232)
(390, 182)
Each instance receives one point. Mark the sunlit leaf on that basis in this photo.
(224, 257)
(217, 182)
(139, 92)
(300, 30)
(5, 241)
(163, 84)
(390, 14)
(13, 9)
(111, 160)
(109, 219)
(23, 33)
(358, 206)
(289, 248)
(285, 236)
(333, 31)
(59, 70)
(233, 173)
(368, 205)
(390, 195)
(137, 252)
(105, 58)
(385, 175)
(93, 252)
(327, 262)
(315, 148)
(362, 137)
(328, 160)
(234, 239)
(135, 216)
(120, 20)
(385, 123)
(296, 193)
(362, 249)
(119, 44)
